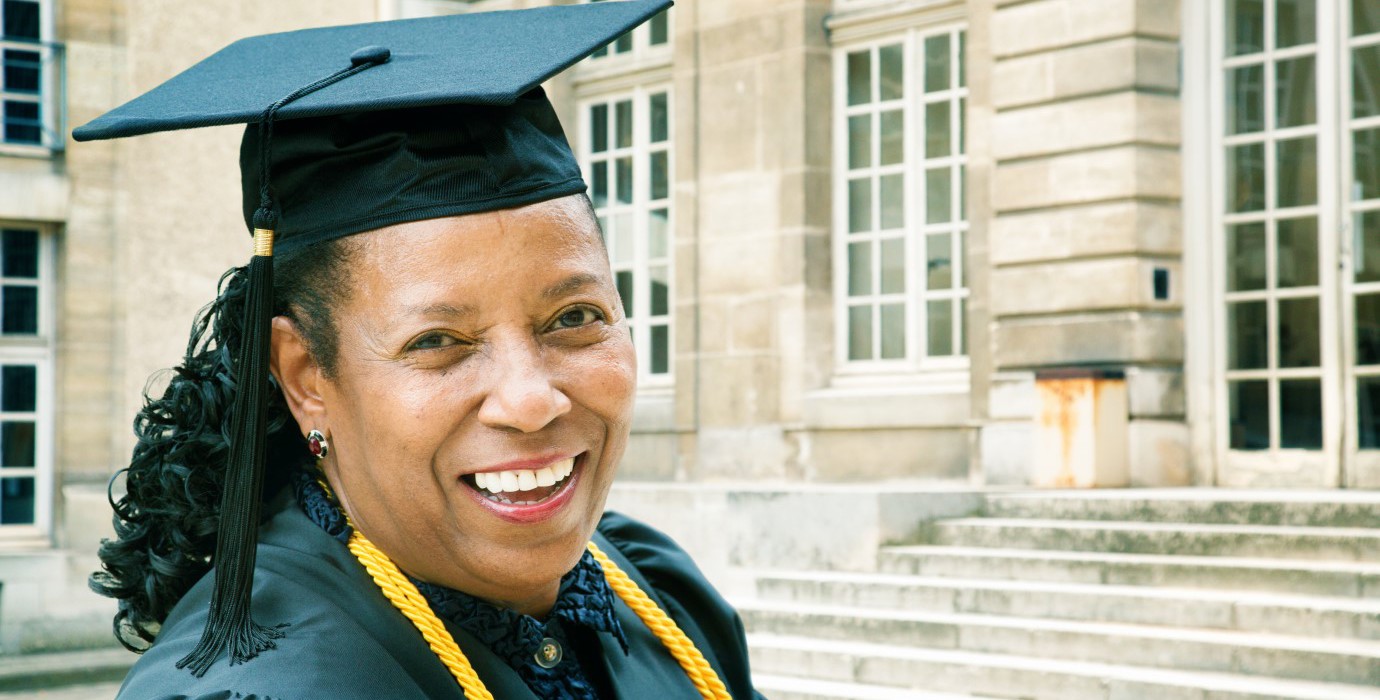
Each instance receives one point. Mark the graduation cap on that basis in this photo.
(350, 129)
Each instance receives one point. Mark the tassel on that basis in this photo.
(230, 629)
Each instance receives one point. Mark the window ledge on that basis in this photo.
(861, 20)
(892, 401)
(612, 73)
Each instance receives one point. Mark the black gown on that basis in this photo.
(346, 641)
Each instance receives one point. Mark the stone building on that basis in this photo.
(888, 243)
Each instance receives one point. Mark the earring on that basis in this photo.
(316, 442)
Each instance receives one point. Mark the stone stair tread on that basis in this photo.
(1204, 680)
(1197, 494)
(1235, 638)
(1137, 558)
(1311, 602)
(18, 671)
(1181, 528)
(768, 683)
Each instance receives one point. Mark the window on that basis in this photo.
(27, 77)
(900, 226)
(655, 33)
(626, 151)
(25, 365)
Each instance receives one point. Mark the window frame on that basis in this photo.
(38, 350)
(642, 46)
(52, 87)
(641, 150)
(917, 365)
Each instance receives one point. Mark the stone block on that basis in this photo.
(752, 452)
(1158, 452)
(730, 141)
(1090, 285)
(649, 457)
(31, 194)
(738, 265)
(939, 454)
(1012, 396)
(713, 325)
(752, 324)
(1093, 122)
(1126, 64)
(1088, 176)
(1125, 337)
(745, 38)
(1101, 229)
(737, 205)
(1006, 447)
(1156, 392)
(1050, 24)
(886, 408)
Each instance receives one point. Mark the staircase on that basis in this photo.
(1203, 594)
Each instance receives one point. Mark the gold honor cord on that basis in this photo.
(409, 601)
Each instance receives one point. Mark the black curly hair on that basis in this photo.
(166, 522)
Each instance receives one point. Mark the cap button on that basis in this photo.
(370, 54)
(549, 653)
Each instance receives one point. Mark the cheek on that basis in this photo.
(606, 381)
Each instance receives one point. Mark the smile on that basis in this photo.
(526, 495)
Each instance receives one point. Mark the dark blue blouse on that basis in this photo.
(584, 601)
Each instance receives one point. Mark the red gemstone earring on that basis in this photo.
(316, 442)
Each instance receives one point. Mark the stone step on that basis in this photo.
(1197, 505)
(1252, 653)
(790, 688)
(1317, 543)
(1315, 616)
(1303, 577)
(1008, 676)
(61, 669)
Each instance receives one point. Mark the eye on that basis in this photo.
(577, 316)
(434, 340)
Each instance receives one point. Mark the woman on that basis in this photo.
(413, 507)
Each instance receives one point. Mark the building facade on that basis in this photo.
(988, 242)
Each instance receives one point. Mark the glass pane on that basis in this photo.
(1368, 329)
(893, 137)
(21, 71)
(1296, 102)
(661, 289)
(938, 196)
(1365, 17)
(893, 331)
(22, 124)
(623, 124)
(1296, 253)
(1367, 242)
(624, 44)
(1245, 257)
(660, 176)
(1298, 172)
(1245, 24)
(938, 136)
(860, 332)
(939, 269)
(1300, 413)
(1246, 178)
(962, 59)
(937, 63)
(18, 388)
(661, 119)
(661, 350)
(1366, 176)
(940, 322)
(1368, 412)
(599, 128)
(893, 266)
(21, 19)
(657, 225)
(1365, 81)
(961, 262)
(1246, 330)
(623, 179)
(860, 205)
(859, 269)
(622, 240)
(893, 201)
(1296, 22)
(1246, 99)
(1298, 333)
(17, 443)
(20, 253)
(17, 501)
(962, 121)
(19, 310)
(1250, 415)
(890, 64)
(659, 27)
(860, 141)
(600, 187)
(624, 280)
(962, 322)
(859, 77)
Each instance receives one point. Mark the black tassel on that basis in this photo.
(230, 629)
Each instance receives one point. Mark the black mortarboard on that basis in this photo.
(354, 128)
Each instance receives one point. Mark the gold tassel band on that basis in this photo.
(263, 242)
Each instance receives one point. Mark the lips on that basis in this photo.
(526, 495)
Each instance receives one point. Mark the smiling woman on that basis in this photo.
(381, 468)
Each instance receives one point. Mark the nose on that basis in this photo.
(522, 396)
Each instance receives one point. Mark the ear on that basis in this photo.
(298, 375)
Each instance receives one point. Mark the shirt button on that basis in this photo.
(549, 654)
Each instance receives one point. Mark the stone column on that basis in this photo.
(1084, 240)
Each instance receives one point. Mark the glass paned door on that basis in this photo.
(1360, 82)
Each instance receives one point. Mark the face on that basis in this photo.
(481, 358)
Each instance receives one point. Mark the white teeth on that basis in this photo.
(524, 479)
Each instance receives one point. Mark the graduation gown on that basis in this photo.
(345, 640)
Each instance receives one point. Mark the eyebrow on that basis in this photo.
(571, 284)
(442, 310)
